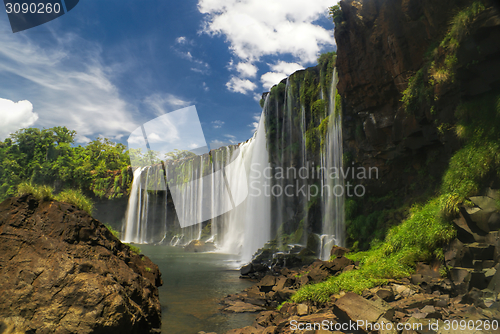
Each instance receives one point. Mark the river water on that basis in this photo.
(193, 284)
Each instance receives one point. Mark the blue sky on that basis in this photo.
(108, 66)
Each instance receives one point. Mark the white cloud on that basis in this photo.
(232, 139)
(14, 116)
(79, 139)
(181, 40)
(183, 47)
(246, 70)
(217, 124)
(240, 85)
(279, 72)
(67, 82)
(257, 28)
(164, 103)
(287, 68)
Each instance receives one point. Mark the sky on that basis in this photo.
(109, 66)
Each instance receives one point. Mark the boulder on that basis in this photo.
(338, 251)
(356, 308)
(495, 281)
(198, 246)
(239, 306)
(64, 272)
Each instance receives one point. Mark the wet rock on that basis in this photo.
(239, 306)
(338, 251)
(198, 246)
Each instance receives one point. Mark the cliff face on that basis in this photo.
(381, 45)
(64, 272)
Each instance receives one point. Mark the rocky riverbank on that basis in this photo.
(64, 272)
(440, 297)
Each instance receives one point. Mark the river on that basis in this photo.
(193, 284)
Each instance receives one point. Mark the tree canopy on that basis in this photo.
(51, 157)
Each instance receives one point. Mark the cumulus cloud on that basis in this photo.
(15, 116)
(67, 82)
(279, 71)
(246, 69)
(240, 85)
(257, 28)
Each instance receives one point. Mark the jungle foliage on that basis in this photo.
(50, 157)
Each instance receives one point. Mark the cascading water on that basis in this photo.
(229, 198)
(332, 181)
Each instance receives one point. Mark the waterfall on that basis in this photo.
(248, 226)
(133, 213)
(333, 223)
(226, 196)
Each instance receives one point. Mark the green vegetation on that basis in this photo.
(41, 193)
(440, 62)
(419, 238)
(76, 198)
(45, 193)
(134, 249)
(113, 231)
(179, 154)
(337, 15)
(50, 157)
(147, 269)
(427, 228)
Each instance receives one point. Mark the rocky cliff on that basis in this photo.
(64, 272)
(382, 44)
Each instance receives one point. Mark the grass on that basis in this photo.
(440, 61)
(134, 249)
(76, 198)
(419, 238)
(461, 22)
(113, 231)
(40, 193)
(45, 193)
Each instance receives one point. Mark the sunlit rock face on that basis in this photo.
(64, 272)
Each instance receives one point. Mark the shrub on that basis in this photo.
(336, 14)
(76, 198)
